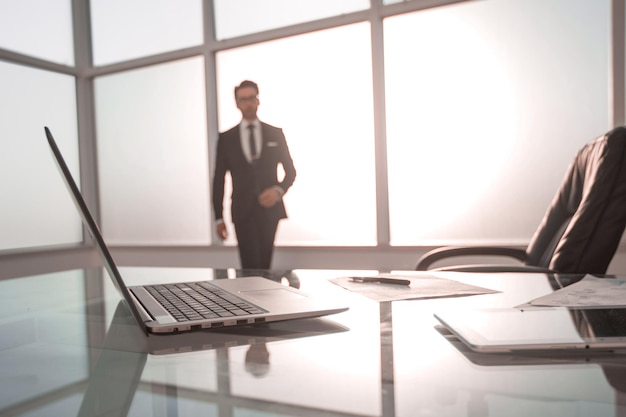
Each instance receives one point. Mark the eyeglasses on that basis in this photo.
(247, 99)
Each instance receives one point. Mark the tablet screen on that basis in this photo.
(537, 328)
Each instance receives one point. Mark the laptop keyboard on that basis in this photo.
(200, 300)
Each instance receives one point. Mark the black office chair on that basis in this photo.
(581, 229)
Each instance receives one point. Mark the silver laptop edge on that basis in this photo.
(95, 233)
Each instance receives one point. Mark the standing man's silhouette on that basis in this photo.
(251, 152)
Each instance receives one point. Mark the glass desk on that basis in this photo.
(68, 347)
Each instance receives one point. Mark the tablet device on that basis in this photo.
(538, 329)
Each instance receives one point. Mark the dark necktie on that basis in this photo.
(253, 151)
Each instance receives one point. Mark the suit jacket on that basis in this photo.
(249, 179)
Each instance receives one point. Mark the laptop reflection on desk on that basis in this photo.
(124, 351)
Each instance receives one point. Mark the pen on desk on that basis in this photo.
(382, 280)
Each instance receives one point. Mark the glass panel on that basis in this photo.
(42, 350)
(38, 209)
(40, 28)
(152, 153)
(321, 96)
(242, 17)
(484, 115)
(128, 29)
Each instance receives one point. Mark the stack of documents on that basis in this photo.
(588, 292)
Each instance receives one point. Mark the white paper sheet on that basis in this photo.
(588, 292)
(421, 287)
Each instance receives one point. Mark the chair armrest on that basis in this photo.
(454, 251)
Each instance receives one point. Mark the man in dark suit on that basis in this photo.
(251, 152)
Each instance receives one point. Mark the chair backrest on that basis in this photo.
(583, 226)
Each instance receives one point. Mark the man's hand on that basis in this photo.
(221, 230)
(269, 197)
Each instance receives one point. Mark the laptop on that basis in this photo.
(538, 330)
(178, 307)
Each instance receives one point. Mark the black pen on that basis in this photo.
(382, 280)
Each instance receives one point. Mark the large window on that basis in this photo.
(124, 30)
(487, 103)
(318, 88)
(37, 209)
(479, 105)
(39, 28)
(152, 153)
(243, 17)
